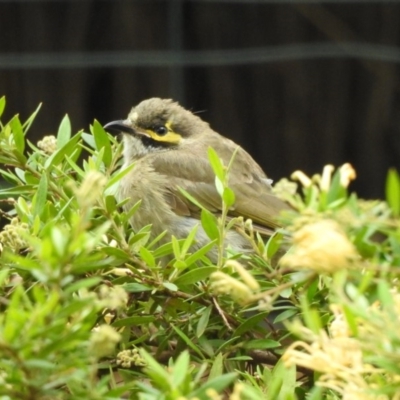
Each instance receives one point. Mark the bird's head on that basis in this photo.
(156, 125)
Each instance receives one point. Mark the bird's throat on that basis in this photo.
(137, 146)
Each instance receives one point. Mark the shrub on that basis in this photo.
(89, 310)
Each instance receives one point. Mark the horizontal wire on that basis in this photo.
(201, 58)
(377, 2)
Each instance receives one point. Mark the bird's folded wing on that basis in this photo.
(253, 196)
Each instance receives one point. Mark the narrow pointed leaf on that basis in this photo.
(216, 164)
(64, 132)
(393, 191)
(18, 134)
(41, 195)
(2, 105)
(102, 141)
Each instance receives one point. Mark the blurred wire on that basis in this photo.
(223, 57)
(379, 2)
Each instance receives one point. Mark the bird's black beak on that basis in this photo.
(118, 126)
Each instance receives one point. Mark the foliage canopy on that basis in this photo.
(89, 310)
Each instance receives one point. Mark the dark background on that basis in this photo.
(298, 84)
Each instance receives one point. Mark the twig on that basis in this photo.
(221, 313)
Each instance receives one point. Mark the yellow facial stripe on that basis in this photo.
(170, 137)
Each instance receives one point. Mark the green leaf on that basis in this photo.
(147, 257)
(336, 190)
(110, 188)
(17, 191)
(228, 197)
(64, 132)
(189, 240)
(187, 340)
(67, 149)
(164, 249)
(210, 224)
(75, 166)
(191, 198)
(249, 323)
(228, 343)
(285, 315)
(282, 383)
(218, 384)
(311, 316)
(14, 319)
(181, 368)
(175, 246)
(216, 164)
(219, 186)
(195, 275)
(170, 286)
(27, 124)
(59, 241)
(3, 274)
(132, 321)
(2, 105)
(262, 344)
(200, 253)
(89, 139)
(316, 393)
(217, 368)
(241, 358)
(273, 244)
(40, 197)
(203, 321)
(81, 284)
(393, 191)
(385, 296)
(18, 134)
(156, 371)
(136, 287)
(127, 216)
(351, 320)
(102, 141)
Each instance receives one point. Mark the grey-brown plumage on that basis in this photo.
(169, 146)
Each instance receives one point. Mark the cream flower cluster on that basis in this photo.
(113, 298)
(322, 247)
(48, 144)
(339, 358)
(346, 175)
(241, 291)
(91, 189)
(128, 358)
(12, 235)
(103, 340)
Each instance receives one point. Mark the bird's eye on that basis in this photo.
(160, 130)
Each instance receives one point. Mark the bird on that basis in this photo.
(168, 146)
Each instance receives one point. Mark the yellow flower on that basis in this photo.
(322, 247)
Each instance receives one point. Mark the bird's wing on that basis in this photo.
(253, 196)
